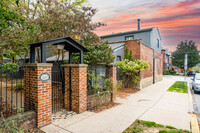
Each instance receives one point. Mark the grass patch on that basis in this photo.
(170, 127)
(141, 126)
(179, 86)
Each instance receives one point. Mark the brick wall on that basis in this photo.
(145, 53)
(158, 67)
(135, 47)
(163, 59)
(39, 98)
(111, 72)
(78, 87)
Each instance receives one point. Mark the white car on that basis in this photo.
(196, 83)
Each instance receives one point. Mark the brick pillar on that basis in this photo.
(38, 93)
(78, 100)
(111, 72)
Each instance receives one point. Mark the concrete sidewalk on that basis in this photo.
(151, 103)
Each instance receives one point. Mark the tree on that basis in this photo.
(10, 22)
(186, 48)
(60, 18)
(99, 53)
(130, 56)
(51, 19)
(126, 56)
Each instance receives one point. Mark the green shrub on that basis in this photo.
(109, 84)
(166, 72)
(118, 85)
(10, 67)
(66, 61)
(19, 87)
(131, 69)
(172, 72)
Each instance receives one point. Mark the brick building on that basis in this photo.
(142, 52)
(167, 59)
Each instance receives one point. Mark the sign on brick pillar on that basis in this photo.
(38, 87)
(76, 81)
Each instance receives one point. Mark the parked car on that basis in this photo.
(191, 73)
(196, 83)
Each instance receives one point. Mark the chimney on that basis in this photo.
(138, 24)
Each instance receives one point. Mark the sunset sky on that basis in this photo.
(177, 20)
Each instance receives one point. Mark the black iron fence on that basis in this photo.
(12, 88)
(57, 88)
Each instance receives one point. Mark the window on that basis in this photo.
(158, 45)
(129, 38)
(119, 58)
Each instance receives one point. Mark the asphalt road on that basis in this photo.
(196, 101)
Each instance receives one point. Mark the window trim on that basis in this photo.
(128, 36)
(158, 43)
(120, 58)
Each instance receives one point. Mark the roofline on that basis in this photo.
(158, 32)
(118, 48)
(62, 38)
(128, 32)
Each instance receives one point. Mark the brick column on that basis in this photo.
(111, 72)
(78, 80)
(38, 93)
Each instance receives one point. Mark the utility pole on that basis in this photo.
(185, 65)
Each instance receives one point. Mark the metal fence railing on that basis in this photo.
(12, 90)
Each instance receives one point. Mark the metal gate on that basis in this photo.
(57, 88)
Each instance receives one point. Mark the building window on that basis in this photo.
(119, 58)
(129, 38)
(158, 45)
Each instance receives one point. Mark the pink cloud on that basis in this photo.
(176, 23)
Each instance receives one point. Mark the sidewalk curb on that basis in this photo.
(193, 118)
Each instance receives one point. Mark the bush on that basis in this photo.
(19, 87)
(97, 84)
(109, 84)
(131, 69)
(169, 72)
(166, 72)
(172, 72)
(10, 67)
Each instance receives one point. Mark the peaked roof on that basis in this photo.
(132, 32)
(128, 32)
(70, 44)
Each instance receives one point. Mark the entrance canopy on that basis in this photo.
(68, 44)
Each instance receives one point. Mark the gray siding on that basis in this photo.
(119, 52)
(154, 37)
(144, 36)
(148, 38)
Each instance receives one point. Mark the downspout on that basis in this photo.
(153, 67)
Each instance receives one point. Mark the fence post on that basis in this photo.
(38, 91)
(111, 72)
(75, 87)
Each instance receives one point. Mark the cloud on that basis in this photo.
(177, 20)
